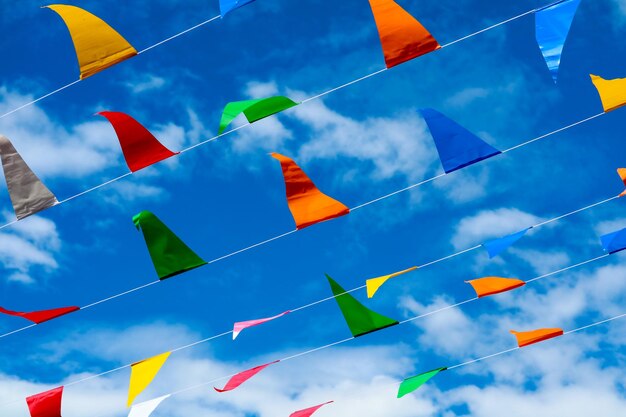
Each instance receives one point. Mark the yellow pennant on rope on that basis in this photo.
(98, 46)
(142, 373)
(373, 284)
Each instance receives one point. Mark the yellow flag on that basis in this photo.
(612, 92)
(98, 46)
(142, 373)
(373, 284)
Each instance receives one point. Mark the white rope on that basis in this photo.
(179, 34)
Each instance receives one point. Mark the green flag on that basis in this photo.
(413, 383)
(360, 319)
(254, 109)
(169, 254)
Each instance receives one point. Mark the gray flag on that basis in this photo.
(27, 192)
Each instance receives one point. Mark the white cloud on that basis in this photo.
(147, 82)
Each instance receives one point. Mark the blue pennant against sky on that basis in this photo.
(497, 246)
(552, 27)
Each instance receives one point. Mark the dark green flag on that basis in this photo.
(413, 383)
(254, 109)
(169, 254)
(360, 319)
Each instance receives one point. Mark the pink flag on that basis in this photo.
(240, 325)
(242, 377)
(308, 411)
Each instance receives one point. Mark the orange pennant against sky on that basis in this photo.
(536, 336)
(494, 285)
(401, 35)
(622, 174)
(308, 205)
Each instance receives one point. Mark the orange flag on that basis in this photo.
(307, 204)
(612, 92)
(622, 174)
(494, 285)
(536, 336)
(401, 35)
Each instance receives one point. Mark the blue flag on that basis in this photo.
(227, 6)
(614, 242)
(457, 146)
(552, 24)
(497, 246)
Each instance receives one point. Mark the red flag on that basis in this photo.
(242, 377)
(140, 147)
(41, 316)
(308, 411)
(46, 404)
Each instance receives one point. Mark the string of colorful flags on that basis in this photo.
(98, 46)
(171, 256)
(360, 320)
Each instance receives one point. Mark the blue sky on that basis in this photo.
(356, 144)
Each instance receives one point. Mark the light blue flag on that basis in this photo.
(497, 246)
(457, 146)
(552, 26)
(227, 6)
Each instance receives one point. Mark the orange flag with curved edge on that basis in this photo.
(494, 285)
(373, 284)
(536, 336)
(612, 92)
(308, 205)
(622, 174)
(401, 35)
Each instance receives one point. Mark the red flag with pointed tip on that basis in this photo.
(242, 377)
(141, 149)
(46, 404)
(42, 315)
(307, 412)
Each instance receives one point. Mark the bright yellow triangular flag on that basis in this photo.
(142, 373)
(612, 92)
(373, 284)
(98, 46)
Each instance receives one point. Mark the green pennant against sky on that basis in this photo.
(170, 255)
(254, 109)
(411, 384)
(360, 319)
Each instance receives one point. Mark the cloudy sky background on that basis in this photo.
(357, 144)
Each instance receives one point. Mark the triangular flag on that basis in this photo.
(307, 412)
(170, 255)
(227, 6)
(411, 384)
(146, 408)
(494, 285)
(42, 315)
(360, 319)
(536, 336)
(373, 284)
(497, 246)
(141, 149)
(27, 192)
(46, 404)
(98, 46)
(240, 325)
(254, 110)
(614, 242)
(622, 174)
(457, 146)
(612, 92)
(552, 25)
(242, 377)
(308, 205)
(142, 373)
(401, 35)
